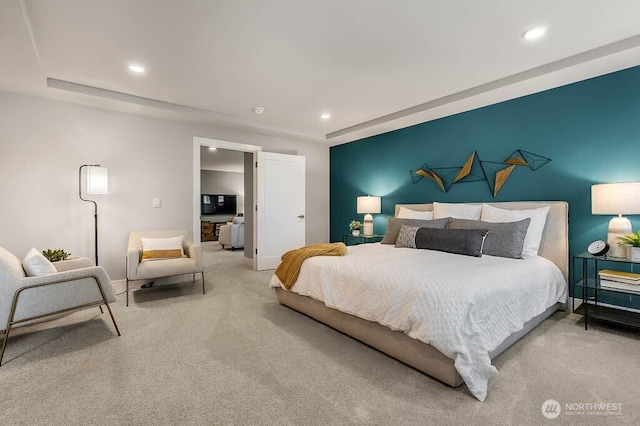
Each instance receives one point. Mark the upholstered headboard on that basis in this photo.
(555, 237)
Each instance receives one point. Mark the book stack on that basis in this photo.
(618, 280)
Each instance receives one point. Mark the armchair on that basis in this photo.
(25, 300)
(232, 234)
(150, 270)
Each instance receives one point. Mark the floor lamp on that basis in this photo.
(97, 183)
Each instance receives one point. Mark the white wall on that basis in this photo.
(43, 142)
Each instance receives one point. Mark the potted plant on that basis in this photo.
(633, 241)
(355, 226)
(55, 255)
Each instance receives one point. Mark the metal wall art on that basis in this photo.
(495, 173)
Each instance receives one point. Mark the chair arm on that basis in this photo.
(133, 259)
(65, 276)
(195, 252)
(44, 294)
(67, 265)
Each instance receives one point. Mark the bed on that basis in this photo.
(466, 324)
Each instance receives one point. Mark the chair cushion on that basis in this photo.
(10, 266)
(162, 248)
(35, 264)
(166, 268)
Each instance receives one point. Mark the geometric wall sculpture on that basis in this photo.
(495, 173)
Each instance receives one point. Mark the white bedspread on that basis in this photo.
(463, 306)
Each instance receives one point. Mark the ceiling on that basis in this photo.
(374, 65)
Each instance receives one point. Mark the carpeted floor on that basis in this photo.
(235, 356)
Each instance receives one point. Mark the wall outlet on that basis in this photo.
(156, 203)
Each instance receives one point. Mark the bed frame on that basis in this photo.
(421, 356)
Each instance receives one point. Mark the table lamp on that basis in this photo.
(368, 205)
(616, 199)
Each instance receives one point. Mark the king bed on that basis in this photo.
(447, 315)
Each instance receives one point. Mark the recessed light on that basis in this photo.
(258, 109)
(213, 148)
(136, 68)
(534, 33)
(325, 116)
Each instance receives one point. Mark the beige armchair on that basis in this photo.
(26, 300)
(232, 234)
(151, 270)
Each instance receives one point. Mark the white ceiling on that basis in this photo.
(375, 65)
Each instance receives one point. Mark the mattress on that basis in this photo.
(463, 306)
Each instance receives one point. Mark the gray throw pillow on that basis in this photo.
(458, 241)
(394, 224)
(407, 236)
(505, 239)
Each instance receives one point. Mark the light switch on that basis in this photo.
(156, 203)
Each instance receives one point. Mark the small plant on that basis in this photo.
(55, 254)
(632, 240)
(355, 225)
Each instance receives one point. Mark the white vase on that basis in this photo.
(355, 232)
(634, 254)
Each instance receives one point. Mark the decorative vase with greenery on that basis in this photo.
(633, 241)
(55, 255)
(355, 226)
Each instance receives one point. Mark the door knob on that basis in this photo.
(301, 216)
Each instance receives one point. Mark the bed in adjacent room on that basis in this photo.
(445, 314)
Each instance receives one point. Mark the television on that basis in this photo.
(218, 204)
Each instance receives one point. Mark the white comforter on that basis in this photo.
(463, 306)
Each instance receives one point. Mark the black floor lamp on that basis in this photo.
(97, 183)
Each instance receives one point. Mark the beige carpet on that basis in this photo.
(234, 356)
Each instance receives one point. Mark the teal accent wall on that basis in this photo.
(590, 130)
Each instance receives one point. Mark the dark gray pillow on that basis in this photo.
(394, 224)
(458, 241)
(505, 239)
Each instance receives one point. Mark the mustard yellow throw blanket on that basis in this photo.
(289, 268)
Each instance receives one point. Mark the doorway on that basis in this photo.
(200, 144)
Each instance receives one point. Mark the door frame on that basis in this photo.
(233, 146)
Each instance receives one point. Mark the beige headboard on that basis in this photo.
(555, 237)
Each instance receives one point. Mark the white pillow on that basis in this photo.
(405, 213)
(35, 264)
(162, 248)
(536, 226)
(457, 211)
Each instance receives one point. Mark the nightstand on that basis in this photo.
(350, 239)
(603, 303)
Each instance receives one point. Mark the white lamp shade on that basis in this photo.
(368, 204)
(97, 180)
(615, 198)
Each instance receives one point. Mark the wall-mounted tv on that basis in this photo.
(218, 204)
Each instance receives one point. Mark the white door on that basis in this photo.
(280, 211)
